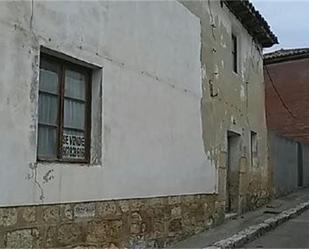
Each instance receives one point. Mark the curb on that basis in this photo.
(252, 232)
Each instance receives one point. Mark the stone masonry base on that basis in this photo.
(133, 223)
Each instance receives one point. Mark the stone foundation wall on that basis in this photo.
(149, 222)
(258, 194)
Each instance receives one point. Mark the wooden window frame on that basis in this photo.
(235, 53)
(64, 65)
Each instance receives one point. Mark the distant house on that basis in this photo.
(129, 124)
(286, 78)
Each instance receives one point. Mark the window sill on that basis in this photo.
(63, 163)
(72, 161)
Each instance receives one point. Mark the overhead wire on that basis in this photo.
(278, 94)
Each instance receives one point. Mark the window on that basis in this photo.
(234, 53)
(64, 111)
(253, 152)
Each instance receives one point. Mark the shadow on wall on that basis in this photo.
(290, 164)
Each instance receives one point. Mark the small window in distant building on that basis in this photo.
(254, 149)
(64, 111)
(234, 53)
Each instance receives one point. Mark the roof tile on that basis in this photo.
(253, 21)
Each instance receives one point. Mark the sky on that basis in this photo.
(288, 19)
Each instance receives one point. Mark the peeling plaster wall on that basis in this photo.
(232, 102)
(152, 135)
(169, 97)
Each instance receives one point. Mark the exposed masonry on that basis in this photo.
(136, 223)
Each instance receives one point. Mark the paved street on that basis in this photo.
(292, 234)
(242, 222)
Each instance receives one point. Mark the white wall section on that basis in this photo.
(151, 131)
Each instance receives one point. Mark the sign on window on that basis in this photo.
(73, 146)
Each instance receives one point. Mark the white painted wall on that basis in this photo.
(152, 136)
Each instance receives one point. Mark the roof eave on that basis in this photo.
(256, 25)
(274, 60)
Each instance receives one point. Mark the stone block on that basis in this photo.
(188, 220)
(158, 229)
(51, 214)
(159, 201)
(68, 212)
(175, 225)
(209, 221)
(116, 229)
(136, 217)
(25, 238)
(148, 212)
(98, 231)
(137, 242)
(209, 207)
(28, 214)
(176, 212)
(219, 205)
(124, 206)
(208, 198)
(222, 160)
(84, 210)
(243, 165)
(199, 227)
(160, 212)
(222, 183)
(69, 233)
(2, 239)
(8, 216)
(192, 209)
(174, 200)
(105, 231)
(51, 236)
(187, 199)
(136, 205)
(135, 228)
(107, 209)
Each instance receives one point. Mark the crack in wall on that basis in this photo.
(33, 177)
(166, 81)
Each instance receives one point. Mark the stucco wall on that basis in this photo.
(152, 141)
(169, 98)
(285, 160)
(283, 154)
(305, 165)
(232, 102)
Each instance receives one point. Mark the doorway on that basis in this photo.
(232, 176)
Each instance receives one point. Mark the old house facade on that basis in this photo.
(129, 123)
(286, 84)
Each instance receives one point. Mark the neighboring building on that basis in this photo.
(286, 78)
(129, 123)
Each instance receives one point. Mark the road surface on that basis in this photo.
(292, 234)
